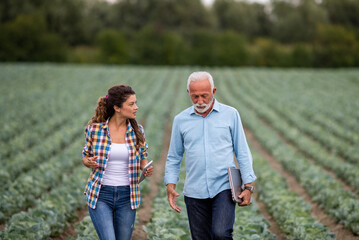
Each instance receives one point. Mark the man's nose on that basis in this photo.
(200, 101)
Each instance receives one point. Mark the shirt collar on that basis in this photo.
(106, 123)
(215, 108)
(129, 126)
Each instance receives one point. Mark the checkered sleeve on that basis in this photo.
(143, 149)
(87, 150)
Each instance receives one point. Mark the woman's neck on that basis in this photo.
(118, 121)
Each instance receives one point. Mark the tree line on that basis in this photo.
(282, 33)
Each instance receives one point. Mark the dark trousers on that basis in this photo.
(211, 218)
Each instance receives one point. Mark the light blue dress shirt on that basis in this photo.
(209, 143)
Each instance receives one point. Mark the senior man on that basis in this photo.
(209, 133)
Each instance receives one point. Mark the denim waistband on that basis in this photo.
(114, 187)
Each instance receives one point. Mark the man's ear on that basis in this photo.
(187, 90)
(214, 91)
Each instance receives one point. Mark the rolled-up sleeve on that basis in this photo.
(242, 151)
(175, 155)
(87, 150)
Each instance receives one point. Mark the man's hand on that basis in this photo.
(90, 162)
(172, 196)
(246, 198)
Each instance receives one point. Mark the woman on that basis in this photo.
(116, 150)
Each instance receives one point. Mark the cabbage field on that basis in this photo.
(302, 126)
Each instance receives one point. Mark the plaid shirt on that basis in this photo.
(98, 143)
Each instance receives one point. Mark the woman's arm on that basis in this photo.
(87, 154)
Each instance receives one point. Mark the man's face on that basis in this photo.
(201, 95)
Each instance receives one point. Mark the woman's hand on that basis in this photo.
(90, 162)
(149, 170)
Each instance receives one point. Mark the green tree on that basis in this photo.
(155, 46)
(97, 16)
(130, 15)
(113, 46)
(231, 49)
(64, 17)
(302, 56)
(26, 38)
(202, 44)
(296, 22)
(269, 53)
(336, 46)
(10, 9)
(176, 50)
(167, 14)
(147, 45)
(250, 19)
(182, 15)
(343, 12)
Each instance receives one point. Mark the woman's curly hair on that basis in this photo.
(117, 95)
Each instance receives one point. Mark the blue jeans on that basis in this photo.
(113, 217)
(211, 218)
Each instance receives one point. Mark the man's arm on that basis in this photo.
(172, 196)
(244, 158)
(173, 165)
(242, 151)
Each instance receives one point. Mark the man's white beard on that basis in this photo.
(206, 106)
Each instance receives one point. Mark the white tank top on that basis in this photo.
(116, 173)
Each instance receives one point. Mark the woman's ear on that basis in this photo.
(116, 108)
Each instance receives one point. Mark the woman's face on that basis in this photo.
(129, 108)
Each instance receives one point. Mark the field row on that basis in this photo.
(328, 192)
(305, 119)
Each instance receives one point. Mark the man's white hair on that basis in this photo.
(199, 76)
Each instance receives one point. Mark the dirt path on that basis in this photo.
(70, 230)
(324, 169)
(144, 214)
(309, 158)
(317, 213)
(274, 227)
